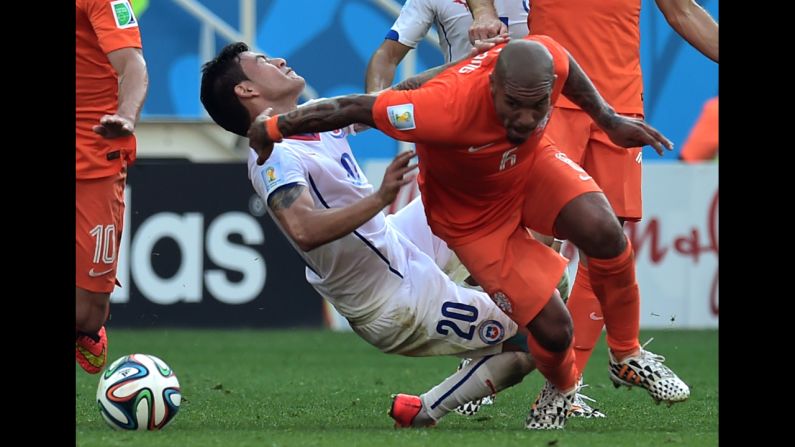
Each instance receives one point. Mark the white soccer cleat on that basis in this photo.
(646, 370)
(551, 408)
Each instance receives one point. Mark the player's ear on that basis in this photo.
(244, 89)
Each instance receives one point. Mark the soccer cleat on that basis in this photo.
(90, 354)
(551, 408)
(580, 408)
(405, 408)
(472, 408)
(646, 369)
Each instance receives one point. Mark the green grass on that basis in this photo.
(287, 388)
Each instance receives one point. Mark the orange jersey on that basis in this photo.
(603, 36)
(102, 26)
(471, 176)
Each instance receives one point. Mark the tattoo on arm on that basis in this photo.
(284, 197)
(581, 91)
(329, 114)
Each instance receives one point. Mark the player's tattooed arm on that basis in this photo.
(623, 131)
(284, 197)
(581, 91)
(329, 114)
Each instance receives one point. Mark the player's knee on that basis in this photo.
(606, 238)
(553, 328)
(558, 340)
(590, 223)
(523, 364)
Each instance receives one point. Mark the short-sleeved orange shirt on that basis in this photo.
(102, 26)
(471, 176)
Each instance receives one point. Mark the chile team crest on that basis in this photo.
(491, 332)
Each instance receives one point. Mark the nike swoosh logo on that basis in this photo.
(475, 149)
(94, 274)
(595, 317)
(584, 177)
(95, 360)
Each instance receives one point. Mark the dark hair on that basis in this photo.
(219, 78)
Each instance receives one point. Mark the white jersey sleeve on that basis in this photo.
(413, 23)
(282, 168)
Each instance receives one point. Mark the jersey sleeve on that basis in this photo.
(114, 23)
(283, 168)
(412, 24)
(425, 115)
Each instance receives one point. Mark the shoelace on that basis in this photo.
(663, 370)
(583, 396)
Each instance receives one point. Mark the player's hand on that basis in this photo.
(483, 45)
(258, 136)
(114, 126)
(486, 26)
(395, 177)
(632, 132)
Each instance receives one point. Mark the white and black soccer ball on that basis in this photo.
(138, 392)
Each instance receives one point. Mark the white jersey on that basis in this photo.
(358, 271)
(385, 277)
(452, 19)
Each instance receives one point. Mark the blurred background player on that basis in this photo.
(589, 30)
(111, 84)
(382, 273)
(702, 143)
(453, 21)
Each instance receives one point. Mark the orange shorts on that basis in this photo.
(617, 170)
(519, 272)
(99, 217)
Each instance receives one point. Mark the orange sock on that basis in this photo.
(557, 367)
(587, 316)
(613, 281)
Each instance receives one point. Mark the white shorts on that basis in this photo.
(431, 315)
(412, 223)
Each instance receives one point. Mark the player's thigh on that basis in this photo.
(99, 215)
(554, 180)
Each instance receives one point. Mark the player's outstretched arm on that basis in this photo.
(382, 65)
(311, 227)
(320, 116)
(693, 23)
(623, 131)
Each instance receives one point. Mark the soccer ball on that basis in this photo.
(138, 392)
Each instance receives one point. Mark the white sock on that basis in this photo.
(482, 377)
